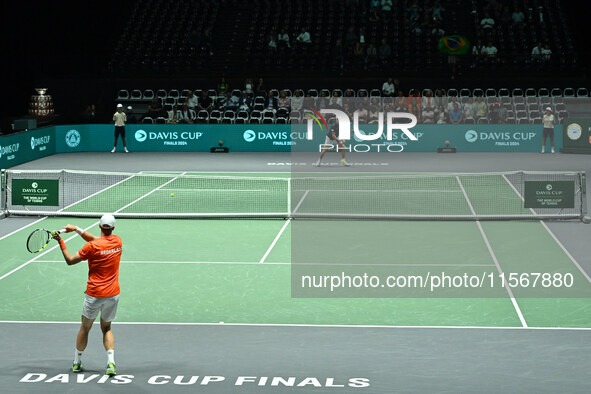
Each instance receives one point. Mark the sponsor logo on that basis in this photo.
(34, 185)
(548, 187)
(344, 124)
(141, 135)
(249, 135)
(8, 150)
(168, 137)
(471, 135)
(40, 142)
(73, 138)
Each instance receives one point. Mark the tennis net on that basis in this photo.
(415, 196)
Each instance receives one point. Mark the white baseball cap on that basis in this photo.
(129, 107)
(548, 109)
(119, 105)
(107, 221)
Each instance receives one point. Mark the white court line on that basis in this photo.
(517, 328)
(282, 229)
(494, 257)
(92, 225)
(71, 205)
(285, 263)
(575, 262)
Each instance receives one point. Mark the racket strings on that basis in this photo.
(37, 240)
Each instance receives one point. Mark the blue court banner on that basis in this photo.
(25, 146)
(30, 145)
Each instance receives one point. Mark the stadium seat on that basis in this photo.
(543, 92)
(229, 115)
(490, 92)
(161, 94)
(255, 117)
(147, 119)
(174, 94)
(281, 120)
(148, 94)
(160, 120)
(556, 92)
(313, 92)
(503, 92)
(123, 95)
(215, 116)
(375, 93)
(483, 120)
(469, 120)
(568, 92)
(582, 92)
(268, 120)
(136, 94)
(170, 101)
(517, 92)
(202, 116)
(531, 92)
(477, 92)
(183, 95)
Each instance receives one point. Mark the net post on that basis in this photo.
(3, 194)
(289, 197)
(584, 217)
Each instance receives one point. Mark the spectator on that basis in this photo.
(184, 115)
(363, 113)
(373, 114)
(470, 108)
(297, 101)
(386, 6)
(428, 115)
(414, 12)
(477, 53)
(249, 87)
(437, 11)
(205, 102)
(271, 102)
(339, 54)
(362, 36)
(155, 109)
(481, 109)
(536, 53)
(173, 115)
(437, 29)
(374, 14)
(388, 88)
(371, 54)
(336, 100)
(245, 102)
(89, 114)
(350, 39)
(261, 88)
(191, 100)
(400, 102)
(131, 115)
(440, 99)
(428, 100)
(487, 23)
(229, 103)
(223, 87)
(517, 17)
(206, 43)
(397, 87)
(349, 94)
(451, 103)
(358, 55)
(283, 39)
(490, 53)
(384, 52)
(304, 38)
(440, 115)
(271, 43)
(546, 53)
(323, 100)
(347, 109)
(497, 113)
(456, 115)
(283, 101)
(309, 102)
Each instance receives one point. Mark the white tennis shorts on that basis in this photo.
(106, 306)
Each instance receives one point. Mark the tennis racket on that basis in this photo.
(40, 238)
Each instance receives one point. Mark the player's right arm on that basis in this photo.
(84, 234)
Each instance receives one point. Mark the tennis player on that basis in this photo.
(331, 137)
(102, 290)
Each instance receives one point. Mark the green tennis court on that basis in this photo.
(240, 271)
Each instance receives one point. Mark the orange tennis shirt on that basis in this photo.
(103, 257)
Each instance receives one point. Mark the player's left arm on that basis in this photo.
(70, 260)
(88, 237)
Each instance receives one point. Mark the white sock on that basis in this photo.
(111, 356)
(77, 356)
